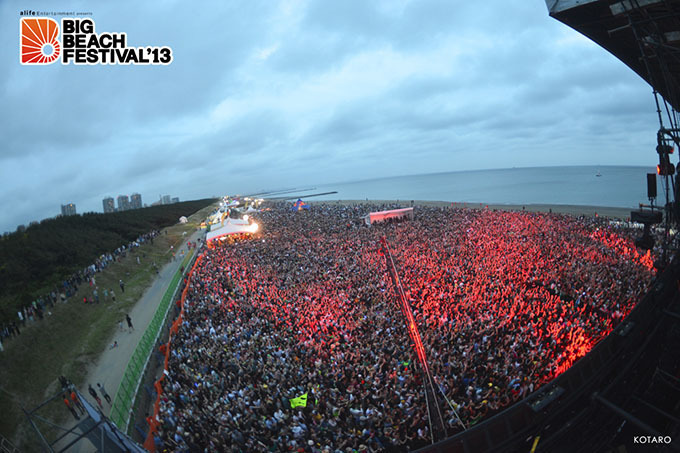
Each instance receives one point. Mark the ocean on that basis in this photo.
(618, 186)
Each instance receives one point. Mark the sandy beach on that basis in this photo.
(577, 210)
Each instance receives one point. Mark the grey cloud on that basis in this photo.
(502, 85)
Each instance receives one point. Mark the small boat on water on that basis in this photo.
(598, 174)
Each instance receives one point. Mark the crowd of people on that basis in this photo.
(304, 314)
(42, 305)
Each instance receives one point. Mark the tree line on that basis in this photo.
(40, 257)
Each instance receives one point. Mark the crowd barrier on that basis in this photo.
(154, 420)
(121, 410)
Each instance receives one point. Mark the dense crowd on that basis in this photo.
(504, 301)
(39, 307)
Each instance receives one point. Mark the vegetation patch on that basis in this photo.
(73, 334)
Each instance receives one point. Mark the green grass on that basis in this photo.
(69, 341)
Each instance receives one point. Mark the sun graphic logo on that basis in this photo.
(39, 43)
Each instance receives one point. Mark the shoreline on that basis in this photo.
(576, 210)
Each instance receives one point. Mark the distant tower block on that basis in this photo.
(135, 201)
(108, 204)
(68, 209)
(123, 203)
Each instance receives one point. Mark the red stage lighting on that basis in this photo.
(665, 169)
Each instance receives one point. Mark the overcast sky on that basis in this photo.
(268, 94)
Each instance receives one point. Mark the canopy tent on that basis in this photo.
(231, 226)
(299, 205)
(381, 216)
(183, 219)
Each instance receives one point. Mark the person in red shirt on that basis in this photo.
(68, 404)
(77, 403)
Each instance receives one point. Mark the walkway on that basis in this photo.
(110, 367)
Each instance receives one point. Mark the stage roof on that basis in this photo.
(630, 29)
(231, 226)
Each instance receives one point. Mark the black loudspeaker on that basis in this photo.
(651, 185)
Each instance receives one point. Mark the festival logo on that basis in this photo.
(39, 43)
(81, 44)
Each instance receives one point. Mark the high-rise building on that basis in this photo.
(68, 209)
(175, 199)
(123, 203)
(135, 201)
(165, 199)
(108, 205)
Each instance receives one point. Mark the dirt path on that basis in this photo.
(110, 367)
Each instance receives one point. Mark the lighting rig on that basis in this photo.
(654, 27)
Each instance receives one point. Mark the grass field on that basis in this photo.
(69, 340)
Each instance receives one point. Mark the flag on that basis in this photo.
(299, 401)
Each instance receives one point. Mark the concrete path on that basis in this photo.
(110, 367)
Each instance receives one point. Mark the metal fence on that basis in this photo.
(121, 410)
(6, 446)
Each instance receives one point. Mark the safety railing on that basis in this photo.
(121, 410)
(154, 420)
(6, 446)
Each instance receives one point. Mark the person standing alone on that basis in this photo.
(102, 390)
(93, 392)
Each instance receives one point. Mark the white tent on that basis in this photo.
(183, 219)
(231, 226)
(381, 216)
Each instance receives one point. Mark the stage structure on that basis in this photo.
(434, 413)
(92, 425)
(382, 216)
(645, 35)
(230, 227)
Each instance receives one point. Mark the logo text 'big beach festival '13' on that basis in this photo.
(81, 45)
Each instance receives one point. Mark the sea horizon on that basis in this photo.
(651, 169)
(617, 186)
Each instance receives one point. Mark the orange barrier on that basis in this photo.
(153, 420)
